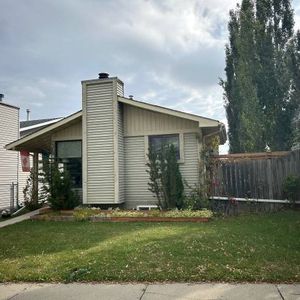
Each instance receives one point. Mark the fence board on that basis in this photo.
(258, 176)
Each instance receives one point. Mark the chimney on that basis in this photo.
(28, 114)
(101, 119)
(103, 75)
(1, 97)
(130, 97)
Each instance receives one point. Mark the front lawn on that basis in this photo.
(250, 248)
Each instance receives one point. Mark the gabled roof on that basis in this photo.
(67, 121)
(37, 122)
(212, 126)
(203, 121)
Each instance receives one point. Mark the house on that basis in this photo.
(104, 146)
(12, 179)
(9, 131)
(30, 126)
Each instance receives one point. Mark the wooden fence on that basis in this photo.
(257, 175)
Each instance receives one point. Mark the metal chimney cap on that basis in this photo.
(130, 97)
(1, 97)
(103, 75)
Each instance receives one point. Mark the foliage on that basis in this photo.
(262, 85)
(29, 200)
(85, 213)
(58, 187)
(291, 188)
(197, 195)
(239, 249)
(165, 180)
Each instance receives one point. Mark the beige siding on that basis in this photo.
(9, 132)
(120, 88)
(190, 168)
(121, 154)
(99, 179)
(139, 121)
(73, 132)
(136, 177)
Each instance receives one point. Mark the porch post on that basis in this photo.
(35, 183)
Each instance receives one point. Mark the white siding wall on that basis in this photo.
(99, 143)
(136, 177)
(9, 132)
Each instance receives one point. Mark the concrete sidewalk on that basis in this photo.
(176, 291)
(20, 218)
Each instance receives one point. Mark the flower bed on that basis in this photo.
(97, 215)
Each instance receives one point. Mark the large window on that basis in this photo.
(157, 142)
(68, 154)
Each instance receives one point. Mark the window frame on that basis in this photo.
(181, 145)
(57, 158)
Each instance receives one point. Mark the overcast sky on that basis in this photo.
(167, 52)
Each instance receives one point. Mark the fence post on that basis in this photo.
(270, 178)
(12, 196)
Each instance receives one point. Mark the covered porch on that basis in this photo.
(60, 142)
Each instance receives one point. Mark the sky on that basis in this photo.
(169, 53)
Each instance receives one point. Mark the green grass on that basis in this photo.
(250, 248)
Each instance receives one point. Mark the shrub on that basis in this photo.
(165, 177)
(291, 188)
(58, 188)
(196, 198)
(29, 201)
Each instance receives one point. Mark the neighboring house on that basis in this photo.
(9, 131)
(12, 178)
(30, 126)
(104, 146)
(27, 127)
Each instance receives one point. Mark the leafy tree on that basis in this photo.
(262, 75)
(165, 177)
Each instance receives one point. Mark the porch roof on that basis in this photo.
(40, 141)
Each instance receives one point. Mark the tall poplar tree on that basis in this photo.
(261, 76)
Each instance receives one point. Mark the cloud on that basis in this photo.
(166, 52)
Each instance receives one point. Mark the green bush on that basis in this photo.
(291, 188)
(29, 201)
(58, 188)
(196, 198)
(165, 178)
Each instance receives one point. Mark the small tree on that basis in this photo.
(29, 200)
(165, 177)
(58, 187)
(291, 188)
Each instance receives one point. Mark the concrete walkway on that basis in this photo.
(19, 219)
(206, 291)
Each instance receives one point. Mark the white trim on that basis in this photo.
(42, 131)
(176, 113)
(40, 124)
(160, 132)
(252, 200)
